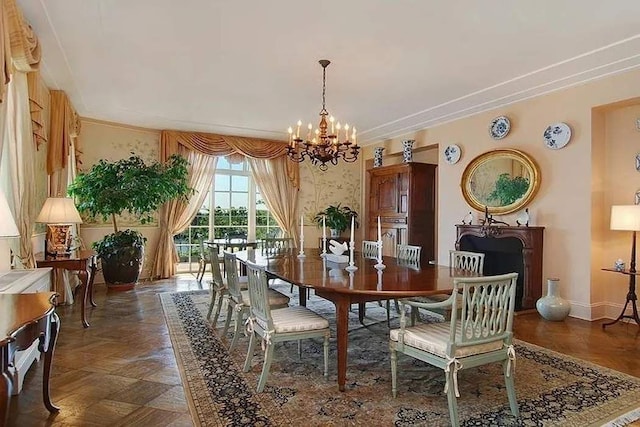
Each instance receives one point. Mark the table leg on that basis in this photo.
(92, 276)
(83, 275)
(54, 328)
(342, 326)
(302, 296)
(5, 384)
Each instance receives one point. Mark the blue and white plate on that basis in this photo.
(499, 127)
(557, 135)
(452, 154)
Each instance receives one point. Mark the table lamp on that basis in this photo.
(59, 213)
(627, 218)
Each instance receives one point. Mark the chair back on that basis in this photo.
(370, 249)
(258, 294)
(487, 307)
(203, 252)
(469, 261)
(237, 236)
(276, 246)
(215, 265)
(231, 268)
(408, 253)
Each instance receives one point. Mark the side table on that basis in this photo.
(84, 262)
(25, 318)
(631, 298)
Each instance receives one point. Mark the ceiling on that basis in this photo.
(251, 67)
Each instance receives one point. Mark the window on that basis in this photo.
(233, 206)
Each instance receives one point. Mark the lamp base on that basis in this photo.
(58, 240)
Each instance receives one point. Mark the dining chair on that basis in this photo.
(370, 249)
(203, 260)
(239, 299)
(277, 325)
(461, 260)
(218, 288)
(274, 246)
(408, 253)
(480, 331)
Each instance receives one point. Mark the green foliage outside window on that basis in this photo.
(508, 189)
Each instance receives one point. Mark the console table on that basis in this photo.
(25, 318)
(84, 262)
(631, 298)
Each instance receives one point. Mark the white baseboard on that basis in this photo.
(597, 311)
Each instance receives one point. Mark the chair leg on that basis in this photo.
(388, 313)
(268, 357)
(252, 348)
(227, 321)
(218, 308)
(212, 302)
(511, 390)
(394, 371)
(451, 398)
(200, 273)
(236, 329)
(326, 355)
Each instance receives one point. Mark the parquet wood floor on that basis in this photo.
(122, 371)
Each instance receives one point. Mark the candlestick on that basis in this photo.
(380, 265)
(351, 267)
(301, 253)
(324, 237)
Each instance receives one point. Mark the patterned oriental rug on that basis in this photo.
(552, 389)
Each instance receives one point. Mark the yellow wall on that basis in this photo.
(112, 141)
(565, 205)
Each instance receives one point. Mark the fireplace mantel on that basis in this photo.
(532, 246)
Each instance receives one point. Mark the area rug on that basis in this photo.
(552, 389)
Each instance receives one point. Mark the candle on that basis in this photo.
(353, 220)
(379, 230)
(324, 228)
(379, 242)
(310, 127)
(298, 131)
(346, 132)
(331, 119)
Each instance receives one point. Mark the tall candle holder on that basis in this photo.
(324, 237)
(351, 267)
(379, 265)
(301, 252)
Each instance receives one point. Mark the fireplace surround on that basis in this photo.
(508, 249)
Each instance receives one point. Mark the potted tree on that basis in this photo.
(110, 188)
(337, 218)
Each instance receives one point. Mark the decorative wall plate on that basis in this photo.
(499, 127)
(452, 154)
(557, 135)
(638, 162)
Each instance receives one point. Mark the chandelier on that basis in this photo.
(329, 142)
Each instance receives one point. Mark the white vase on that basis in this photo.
(552, 306)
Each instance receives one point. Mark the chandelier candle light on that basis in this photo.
(301, 253)
(323, 145)
(380, 265)
(352, 244)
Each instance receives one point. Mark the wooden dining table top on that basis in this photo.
(398, 279)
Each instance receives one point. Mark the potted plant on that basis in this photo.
(337, 218)
(110, 188)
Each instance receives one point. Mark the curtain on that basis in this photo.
(223, 145)
(280, 195)
(211, 146)
(61, 167)
(18, 136)
(21, 55)
(176, 215)
(38, 94)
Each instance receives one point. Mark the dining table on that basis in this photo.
(332, 281)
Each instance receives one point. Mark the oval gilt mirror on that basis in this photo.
(502, 180)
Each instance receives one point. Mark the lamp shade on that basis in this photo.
(625, 217)
(8, 226)
(59, 210)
